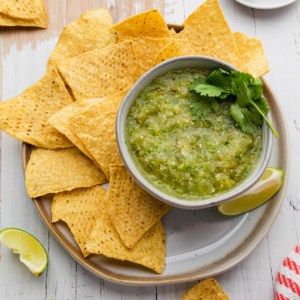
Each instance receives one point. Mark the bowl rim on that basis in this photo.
(170, 65)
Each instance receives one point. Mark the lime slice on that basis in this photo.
(261, 192)
(32, 253)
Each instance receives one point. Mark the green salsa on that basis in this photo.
(184, 155)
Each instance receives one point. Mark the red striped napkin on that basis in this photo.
(288, 278)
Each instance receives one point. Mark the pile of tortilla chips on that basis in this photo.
(31, 13)
(68, 117)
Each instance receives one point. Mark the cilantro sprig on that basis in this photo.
(248, 106)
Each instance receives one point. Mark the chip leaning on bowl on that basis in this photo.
(70, 132)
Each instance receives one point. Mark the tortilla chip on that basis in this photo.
(172, 32)
(169, 51)
(100, 73)
(185, 47)
(132, 210)
(60, 121)
(174, 48)
(95, 128)
(80, 209)
(147, 24)
(209, 34)
(252, 55)
(23, 13)
(149, 252)
(91, 31)
(53, 171)
(208, 289)
(25, 117)
(145, 49)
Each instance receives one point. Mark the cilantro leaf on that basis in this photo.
(249, 107)
(215, 105)
(201, 105)
(209, 90)
(220, 78)
(195, 83)
(239, 86)
(263, 104)
(245, 117)
(245, 87)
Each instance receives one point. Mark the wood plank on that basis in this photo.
(24, 54)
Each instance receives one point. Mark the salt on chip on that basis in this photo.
(95, 128)
(209, 34)
(91, 31)
(147, 24)
(80, 209)
(132, 210)
(23, 13)
(53, 171)
(208, 289)
(149, 252)
(100, 73)
(25, 117)
(252, 55)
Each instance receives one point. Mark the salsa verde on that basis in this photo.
(184, 155)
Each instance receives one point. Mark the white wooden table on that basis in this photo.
(24, 55)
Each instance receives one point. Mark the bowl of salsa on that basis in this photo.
(187, 154)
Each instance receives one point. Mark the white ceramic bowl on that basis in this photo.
(171, 65)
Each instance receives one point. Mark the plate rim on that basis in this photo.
(255, 236)
(265, 6)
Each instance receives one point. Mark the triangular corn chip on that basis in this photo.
(100, 73)
(132, 210)
(208, 289)
(60, 121)
(169, 51)
(173, 32)
(185, 47)
(79, 209)
(95, 128)
(176, 47)
(23, 13)
(145, 49)
(252, 55)
(149, 252)
(25, 117)
(209, 34)
(53, 171)
(91, 31)
(147, 24)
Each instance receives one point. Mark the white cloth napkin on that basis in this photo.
(288, 277)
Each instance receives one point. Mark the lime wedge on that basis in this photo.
(261, 192)
(32, 253)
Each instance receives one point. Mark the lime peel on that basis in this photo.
(268, 185)
(32, 253)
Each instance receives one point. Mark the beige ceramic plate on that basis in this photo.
(200, 243)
